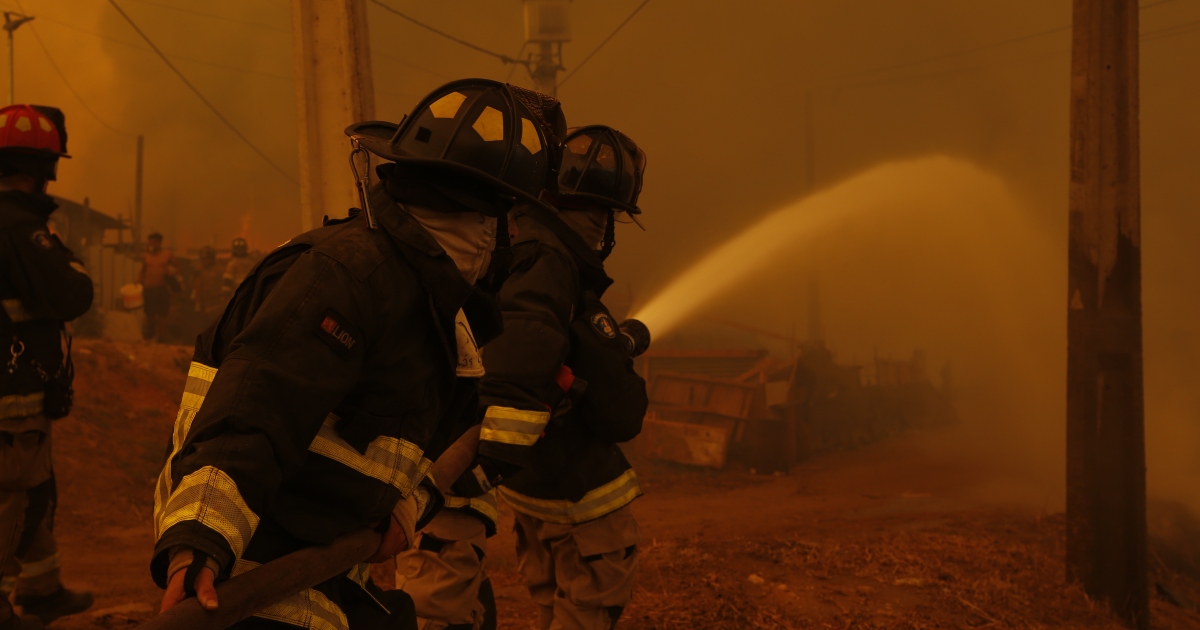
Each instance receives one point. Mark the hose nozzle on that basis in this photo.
(637, 336)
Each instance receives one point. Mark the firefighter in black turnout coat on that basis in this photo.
(345, 360)
(560, 391)
(42, 286)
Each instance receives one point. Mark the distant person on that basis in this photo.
(207, 285)
(157, 276)
(42, 286)
(240, 265)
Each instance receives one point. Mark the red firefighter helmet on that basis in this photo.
(32, 139)
(33, 129)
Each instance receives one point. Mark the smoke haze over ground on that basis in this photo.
(970, 268)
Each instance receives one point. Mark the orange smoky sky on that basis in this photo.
(717, 93)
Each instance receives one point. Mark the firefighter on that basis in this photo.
(239, 265)
(157, 277)
(347, 360)
(207, 282)
(562, 355)
(42, 286)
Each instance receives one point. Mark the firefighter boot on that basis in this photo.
(57, 604)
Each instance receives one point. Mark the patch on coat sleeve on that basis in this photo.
(604, 325)
(338, 334)
(41, 238)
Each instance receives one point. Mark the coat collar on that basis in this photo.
(548, 227)
(438, 275)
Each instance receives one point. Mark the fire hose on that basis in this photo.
(261, 587)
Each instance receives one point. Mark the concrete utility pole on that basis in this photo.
(12, 21)
(1106, 467)
(334, 88)
(547, 24)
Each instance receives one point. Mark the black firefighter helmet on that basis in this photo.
(602, 165)
(499, 135)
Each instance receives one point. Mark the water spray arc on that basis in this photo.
(874, 190)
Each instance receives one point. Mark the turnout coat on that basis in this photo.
(318, 401)
(560, 391)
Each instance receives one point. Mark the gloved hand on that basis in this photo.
(400, 527)
(189, 565)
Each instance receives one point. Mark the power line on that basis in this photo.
(410, 64)
(201, 96)
(502, 57)
(597, 48)
(173, 56)
(70, 88)
(211, 16)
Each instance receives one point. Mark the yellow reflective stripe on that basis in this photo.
(199, 379)
(309, 608)
(16, 311)
(608, 498)
(360, 574)
(78, 266)
(506, 425)
(39, 568)
(211, 498)
(486, 505)
(22, 405)
(396, 462)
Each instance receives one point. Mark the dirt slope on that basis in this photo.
(897, 535)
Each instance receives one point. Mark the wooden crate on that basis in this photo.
(684, 442)
(707, 394)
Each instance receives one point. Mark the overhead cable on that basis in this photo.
(203, 99)
(213, 16)
(67, 83)
(501, 56)
(606, 39)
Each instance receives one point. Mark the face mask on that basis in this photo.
(590, 224)
(467, 237)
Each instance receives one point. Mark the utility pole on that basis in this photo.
(12, 21)
(1106, 459)
(334, 88)
(547, 24)
(137, 191)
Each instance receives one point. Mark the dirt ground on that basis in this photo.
(896, 535)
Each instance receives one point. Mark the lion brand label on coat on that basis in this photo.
(337, 334)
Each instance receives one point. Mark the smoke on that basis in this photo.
(935, 254)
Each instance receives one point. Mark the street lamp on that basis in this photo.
(12, 21)
(547, 24)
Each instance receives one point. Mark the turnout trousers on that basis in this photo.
(28, 554)
(443, 572)
(580, 575)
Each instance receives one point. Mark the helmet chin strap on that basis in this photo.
(502, 256)
(610, 236)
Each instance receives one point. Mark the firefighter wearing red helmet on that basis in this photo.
(42, 286)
